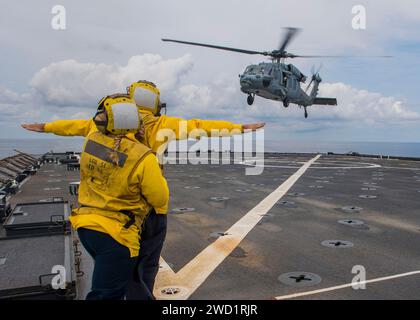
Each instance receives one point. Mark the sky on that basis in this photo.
(49, 74)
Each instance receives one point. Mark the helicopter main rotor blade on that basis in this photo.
(291, 33)
(217, 47)
(290, 55)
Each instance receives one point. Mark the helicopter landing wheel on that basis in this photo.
(306, 113)
(250, 100)
(286, 103)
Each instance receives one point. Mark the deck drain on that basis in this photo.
(370, 183)
(367, 196)
(377, 179)
(219, 199)
(368, 189)
(351, 222)
(243, 190)
(55, 175)
(171, 291)
(316, 187)
(238, 253)
(192, 187)
(53, 180)
(352, 209)
(300, 279)
(229, 178)
(172, 179)
(52, 189)
(194, 176)
(296, 194)
(217, 234)
(218, 202)
(182, 210)
(215, 182)
(257, 184)
(289, 204)
(337, 244)
(322, 181)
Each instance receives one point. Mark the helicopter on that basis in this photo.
(277, 80)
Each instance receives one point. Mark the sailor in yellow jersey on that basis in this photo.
(120, 183)
(147, 98)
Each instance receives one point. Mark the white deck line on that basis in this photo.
(347, 285)
(195, 272)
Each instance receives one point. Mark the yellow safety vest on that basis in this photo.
(106, 198)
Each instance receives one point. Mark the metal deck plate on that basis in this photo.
(28, 259)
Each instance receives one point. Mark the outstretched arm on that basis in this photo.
(209, 126)
(63, 127)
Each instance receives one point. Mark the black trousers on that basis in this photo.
(113, 265)
(151, 242)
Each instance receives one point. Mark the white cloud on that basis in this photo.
(362, 105)
(71, 89)
(73, 83)
(223, 98)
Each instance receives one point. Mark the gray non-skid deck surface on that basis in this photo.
(27, 259)
(289, 238)
(52, 180)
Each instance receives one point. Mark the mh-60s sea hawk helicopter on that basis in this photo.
(277, 80)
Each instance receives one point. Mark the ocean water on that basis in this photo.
(40, 146)
(406, 149)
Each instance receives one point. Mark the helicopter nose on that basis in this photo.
(245, 81)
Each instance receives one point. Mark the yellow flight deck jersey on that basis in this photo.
(152, 125)
(114, 183)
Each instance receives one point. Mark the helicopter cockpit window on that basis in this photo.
(251, 69)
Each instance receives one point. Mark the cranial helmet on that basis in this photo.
(118, 115)
(146, 96)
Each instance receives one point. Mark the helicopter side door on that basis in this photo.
(292, 83)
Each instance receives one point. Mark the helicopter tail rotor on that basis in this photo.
(315, 75)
